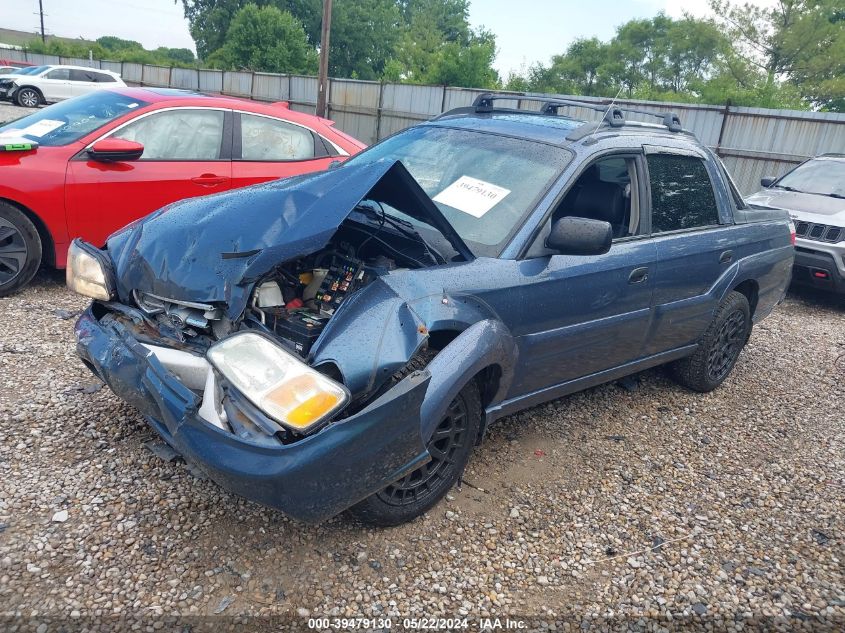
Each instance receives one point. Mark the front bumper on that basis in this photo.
(309, 480)
(817, 269)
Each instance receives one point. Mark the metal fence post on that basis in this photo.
(379, 110)
(725, 114)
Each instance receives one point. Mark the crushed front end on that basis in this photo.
(217, 343)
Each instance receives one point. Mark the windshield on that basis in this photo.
(825, 177)
(32, 70)
(484, 184)
(68, 121)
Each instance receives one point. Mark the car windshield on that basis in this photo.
(484, 184)
(31, 70)
(824, 177)
(68, 121)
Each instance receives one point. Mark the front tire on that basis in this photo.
(28, 98)
(450, 447)
(719, 349)
(20, 249)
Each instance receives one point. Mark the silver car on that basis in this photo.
(814, 195)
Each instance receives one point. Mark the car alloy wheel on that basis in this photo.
(13, 251)
(28, 98)
(448, 438)
(727, 346)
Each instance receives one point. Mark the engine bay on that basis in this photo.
(297, 298)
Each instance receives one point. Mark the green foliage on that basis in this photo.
(424, 41)
(267, 39)
(363, 38)
(789, 56)
(796, 47)
(114, 49)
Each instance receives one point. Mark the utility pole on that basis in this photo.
(41, 11)
(323, 78)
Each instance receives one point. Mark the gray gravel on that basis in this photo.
(610, 503)
(9, 112)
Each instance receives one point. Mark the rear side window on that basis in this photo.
(263, 138)
(103, 78)
(82, 75)
(681, 193)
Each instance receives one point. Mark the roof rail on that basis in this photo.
(614, 114)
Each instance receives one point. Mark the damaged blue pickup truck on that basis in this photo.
(342, 340)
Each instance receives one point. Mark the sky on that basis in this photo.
(527, 32)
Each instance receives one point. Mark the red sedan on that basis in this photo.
(87, 166)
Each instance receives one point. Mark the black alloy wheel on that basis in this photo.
(450, 447)
(726, 348)
(449, 437)
(13, 251)
(20, 249)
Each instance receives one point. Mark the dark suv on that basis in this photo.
(343, 340)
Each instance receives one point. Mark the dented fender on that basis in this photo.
(486, 343)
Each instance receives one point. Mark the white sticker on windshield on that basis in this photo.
(472, 196)
(41, 128)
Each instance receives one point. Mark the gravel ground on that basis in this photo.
(9, 111)
(613, 503)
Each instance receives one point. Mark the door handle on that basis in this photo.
(726, 258)
(638, 275)
(209, 180)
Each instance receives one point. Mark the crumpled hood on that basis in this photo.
(212, 249)
(811, 207)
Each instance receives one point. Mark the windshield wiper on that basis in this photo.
(788, 188)
(404, 227)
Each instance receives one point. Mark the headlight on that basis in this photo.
(277, 382)
(88, 271)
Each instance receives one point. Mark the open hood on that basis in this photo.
(212, 249)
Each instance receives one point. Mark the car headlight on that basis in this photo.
(277, 382)
(89, 272)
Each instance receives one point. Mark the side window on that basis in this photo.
(606, 190)
(681, 193)
(61, 74)
(103, 78)
(81, 75)
(182, 134)
(263, 138)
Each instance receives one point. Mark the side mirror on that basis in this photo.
(335, 164)
(580, 236)
(110, 150)
(768, 181)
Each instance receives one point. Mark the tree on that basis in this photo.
(802, 41)
(469, 65)
(265, 39)
(210, 20)
(364, 37)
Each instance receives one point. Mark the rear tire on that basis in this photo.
(28, 98)
(450, 447)
(20, 249)
(719, 348)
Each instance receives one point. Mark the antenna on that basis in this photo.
(609, 107)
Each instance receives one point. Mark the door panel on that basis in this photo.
(55, 85)
(181, 147)
(587, 314)
(267, 148)
(693, 250)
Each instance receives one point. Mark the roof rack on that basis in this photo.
(613, 114)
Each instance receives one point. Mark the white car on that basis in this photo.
(55, 83)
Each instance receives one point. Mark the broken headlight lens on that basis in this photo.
(88, 271)
(277, 382)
